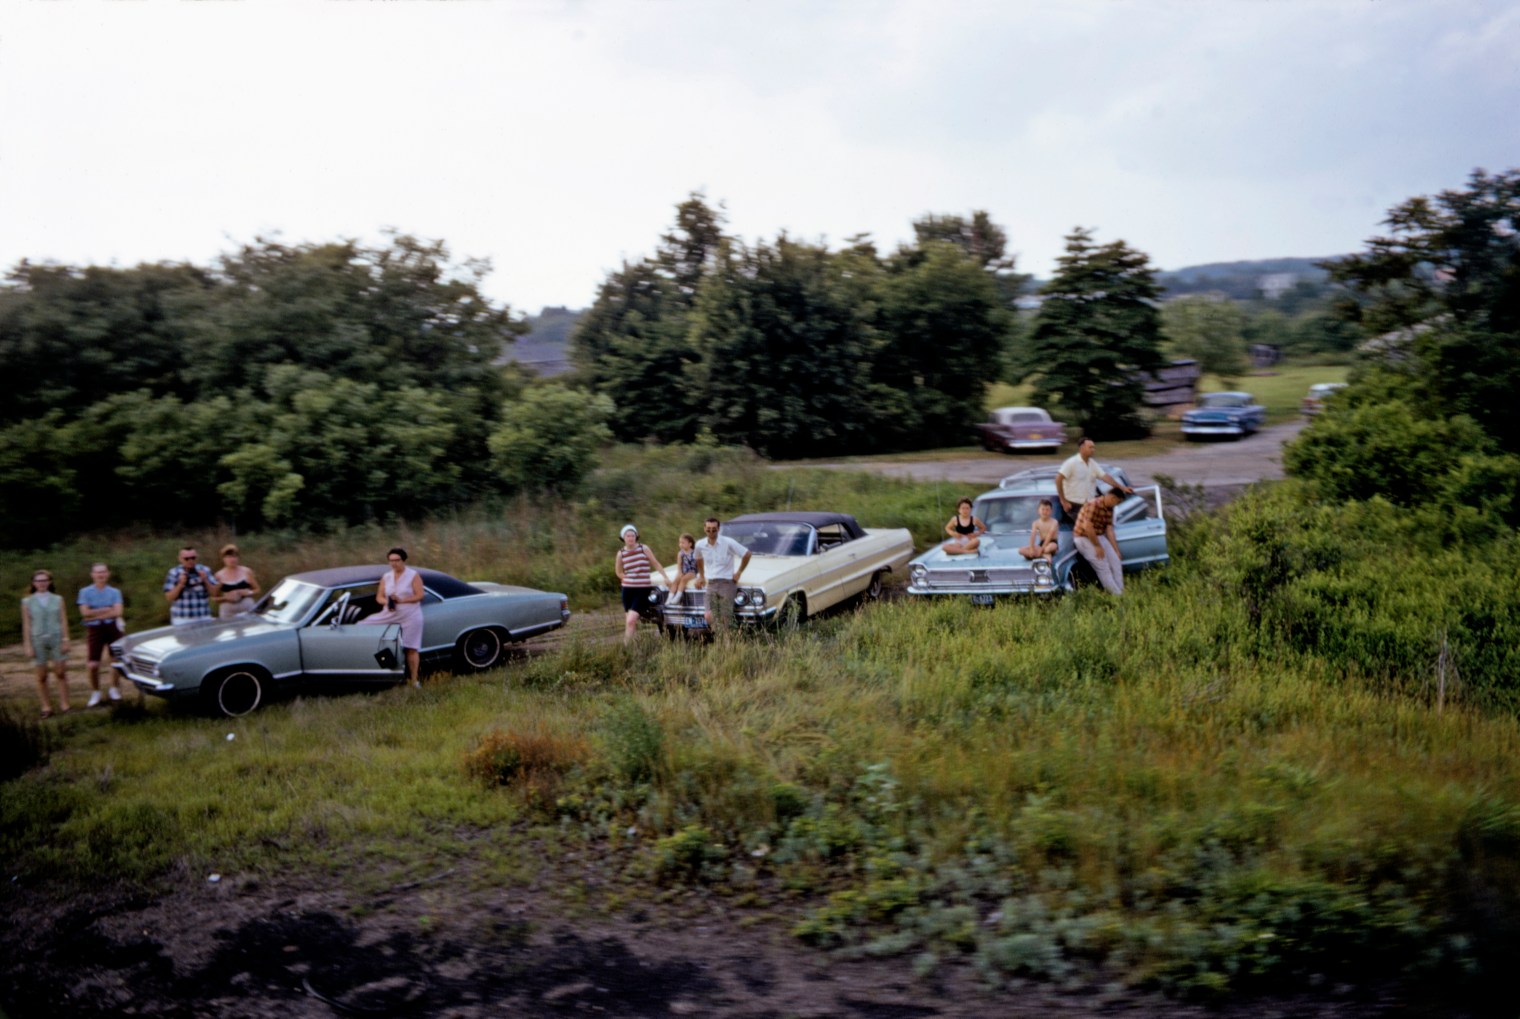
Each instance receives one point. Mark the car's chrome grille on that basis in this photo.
(138, 665)
(991, 576)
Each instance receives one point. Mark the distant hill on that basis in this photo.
(1264, 278)
(546, 346)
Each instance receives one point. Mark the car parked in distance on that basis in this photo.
(305, 630)
(800, 564)
(1314, 402)
(996, 567)
(1232, 415)
(1017, 429)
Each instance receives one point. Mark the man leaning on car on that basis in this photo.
(717, 557)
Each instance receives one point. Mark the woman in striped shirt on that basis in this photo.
(634, 564)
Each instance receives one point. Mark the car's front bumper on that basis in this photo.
(1213, 428)
(147, 684)
(990, 590)
(691, 611)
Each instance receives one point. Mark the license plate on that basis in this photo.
(981, 599)
(1036, 435)
(695, 624)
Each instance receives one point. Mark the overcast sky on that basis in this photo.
(555, 139)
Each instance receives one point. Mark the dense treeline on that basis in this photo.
(792, 349)
(285, 385)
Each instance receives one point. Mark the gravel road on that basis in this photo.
(1213, 465)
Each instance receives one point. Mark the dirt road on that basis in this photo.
(1213, 465)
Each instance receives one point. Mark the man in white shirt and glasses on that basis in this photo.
(721, 561)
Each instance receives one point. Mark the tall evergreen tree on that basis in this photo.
(1097, 326)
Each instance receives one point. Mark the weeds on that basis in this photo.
(1234, 777)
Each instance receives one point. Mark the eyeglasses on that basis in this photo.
(187, 558)
(396, 559)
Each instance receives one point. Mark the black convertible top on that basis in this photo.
(815, 518)
(441, 584)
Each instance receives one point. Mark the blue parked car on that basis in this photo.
(304, 631)
(1009, 511)
(1233, 415)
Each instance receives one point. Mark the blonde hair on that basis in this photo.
(230, 550)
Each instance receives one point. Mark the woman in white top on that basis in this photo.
(400, 595)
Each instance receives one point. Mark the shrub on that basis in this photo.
(633, 741)
(530, 760)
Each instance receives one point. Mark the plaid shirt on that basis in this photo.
(1096, 516)
(194, 602)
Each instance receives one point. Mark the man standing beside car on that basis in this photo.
(1077, 480)
(100, 608)
(720, 562)
(188, 589)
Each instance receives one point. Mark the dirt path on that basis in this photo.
(1226, 465)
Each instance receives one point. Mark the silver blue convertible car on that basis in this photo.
(1009, 511)
(305, 630)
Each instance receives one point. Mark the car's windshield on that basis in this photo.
(769, 537)
(1009, 514)
(289, 601)
(1218, 400)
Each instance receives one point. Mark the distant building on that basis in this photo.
(1274, 284)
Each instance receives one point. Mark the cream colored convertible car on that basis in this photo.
(800, 564)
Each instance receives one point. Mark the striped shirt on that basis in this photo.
(636, 565)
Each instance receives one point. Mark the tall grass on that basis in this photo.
(1230, 778)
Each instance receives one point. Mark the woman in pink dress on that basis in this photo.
(400, 597)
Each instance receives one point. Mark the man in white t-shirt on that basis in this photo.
(1077, 480)
(720, 562)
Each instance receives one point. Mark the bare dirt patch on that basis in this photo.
(450, 948)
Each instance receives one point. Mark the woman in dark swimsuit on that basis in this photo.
(240, 588)
(964, 529)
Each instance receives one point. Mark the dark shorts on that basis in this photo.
(636, 599)
(98, 638)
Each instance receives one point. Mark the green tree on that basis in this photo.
(945, 336)
(1210, 329)
(70, 337)
(527, 456)
(787, 355)
(634, 344)
(1097, 326)
(1447, 274)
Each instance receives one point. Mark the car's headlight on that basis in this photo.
(654, 595)
(757, 597)
(918, 571)
(1042, 568)
(741, 598)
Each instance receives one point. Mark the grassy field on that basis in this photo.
(1162, 788)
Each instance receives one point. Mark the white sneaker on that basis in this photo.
(674, 599)
(94, 699)
(114, 693)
